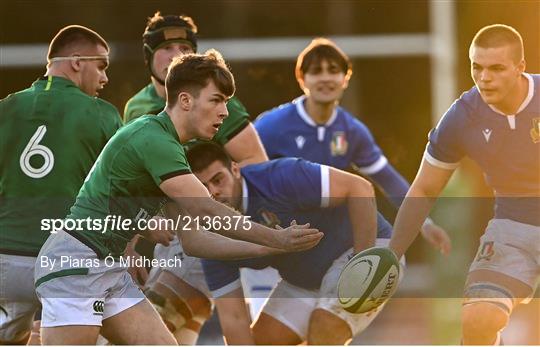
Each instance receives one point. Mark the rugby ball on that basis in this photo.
(368, 280)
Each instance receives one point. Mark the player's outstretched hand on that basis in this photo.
(437, 237)
(297, 237)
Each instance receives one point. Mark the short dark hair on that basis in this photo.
(73, 34)
(497, 35)
(203, 153)
(318, 50)
(192, 72)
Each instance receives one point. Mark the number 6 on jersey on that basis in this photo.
(34, 148)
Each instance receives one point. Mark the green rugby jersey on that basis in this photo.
(50, 136)
(146, 101)
(125, 182)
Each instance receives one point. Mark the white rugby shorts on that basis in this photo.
(75, 294)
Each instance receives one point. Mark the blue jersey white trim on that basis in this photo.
(299, 102)
(373, 168)
(288, 131)
(505, 147)
(343, 142)
(525, 103)
(325, 186)
(440, 164)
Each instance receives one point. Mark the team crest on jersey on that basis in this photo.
(339, 144)
(486, 252)
(269, 219)
(300, 141)
(535, 131)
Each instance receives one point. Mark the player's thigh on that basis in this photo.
(257, 286)
(285, 316)
(70, 335)
(139, 324)
(268, 330)
(326, 328)
(328, 308)
(18, 301)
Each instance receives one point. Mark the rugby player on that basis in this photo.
(169, 36)
(142, 168)
(183, 301)
(316, 128)
(496, 124)
(303, 307)
(54, 131)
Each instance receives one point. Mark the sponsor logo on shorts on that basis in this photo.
(98, 307)
(486, 252)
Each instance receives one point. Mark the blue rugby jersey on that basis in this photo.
(506, 147)
(342, 142)
(275, 193)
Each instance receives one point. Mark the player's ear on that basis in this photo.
(347, 79)
(300, 79)
(185, 101)
(235, 169)
(521, 66)
(75, 65)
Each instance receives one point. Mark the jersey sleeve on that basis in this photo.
(444, 147)
(305, 184)
(367, 157)
(128, 112)
(162, 157)
(221, 277)
(264, 126)
(111, 120)
(237, 120)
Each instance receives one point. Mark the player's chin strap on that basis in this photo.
(80, 57)
(149, 56)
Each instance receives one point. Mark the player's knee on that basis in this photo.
(326, 328)
(483, 316)
(487, 307)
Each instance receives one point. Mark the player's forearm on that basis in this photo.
(411, 215)
(245, 230)
(392, 184)
(205, 244)
(362, 209)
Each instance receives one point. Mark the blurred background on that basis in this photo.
(410, 61)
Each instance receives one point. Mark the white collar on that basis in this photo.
(305, 116)
(525, 102)
(245, 196)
